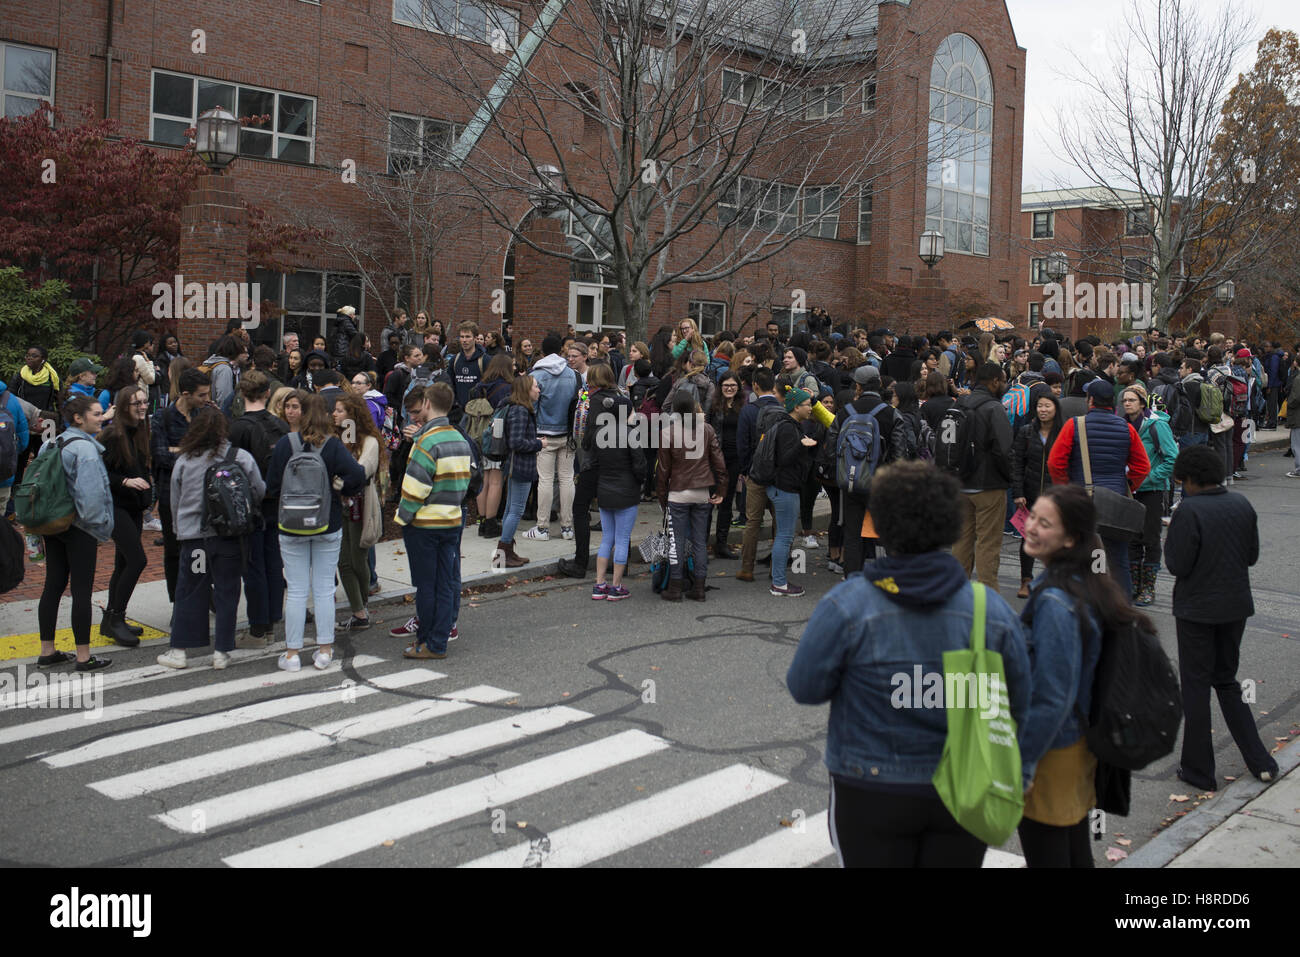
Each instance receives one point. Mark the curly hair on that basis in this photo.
(915, 508)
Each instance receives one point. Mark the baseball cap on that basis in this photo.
(1101, 390)
(84, 365)
(1243, 353)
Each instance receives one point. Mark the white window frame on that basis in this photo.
(824, 220)
(818, 100)
(744, 83)
(421, 159)
(1132, 215)
(323, 316)
(694, 310)
(506, 19)
(865, 201)
(275, 135)
(1038, 271)
(1035, 314)
(5, 92)
(1051, 225)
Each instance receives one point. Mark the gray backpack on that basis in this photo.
(305, 492)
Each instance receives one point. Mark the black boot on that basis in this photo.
(115, 628)
(133, 629)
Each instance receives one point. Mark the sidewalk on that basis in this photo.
(1247, 824)
(1268, 440)
(150, 607)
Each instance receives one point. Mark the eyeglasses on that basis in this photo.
(142, 403)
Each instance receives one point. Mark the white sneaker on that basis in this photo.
(810, 541)
(321, 659)
(1295, 474)
(219, 660)
(286, 663)
(153, 525)
(173, 658)
(538, 533)
(566, 533)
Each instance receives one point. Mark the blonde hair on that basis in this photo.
(276, 405)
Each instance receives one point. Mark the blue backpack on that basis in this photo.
(857, 451)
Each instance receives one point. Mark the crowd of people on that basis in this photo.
(271, 472)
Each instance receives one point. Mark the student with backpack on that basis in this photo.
(485, 398)
(257, 432)
(752, 423)
(522, 447)
(1205, 400)
(1069, 605)
(65, 497)
(126, 457)
(216, 494)
(309, 470)
(1212, 543)
(14, 439)
(220, 367)
(612, 470)
(166, 430)
(1158, 441)
(883, 746)
(782, 471)
(363, 523)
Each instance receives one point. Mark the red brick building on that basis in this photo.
(340, 81)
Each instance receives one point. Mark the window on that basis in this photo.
(769, 206)
(311, 300)
(869, 95)
(788, 318)
(711, 317)
(28, 75)
(762, 93)
(1035, 314)
(401, 295)
(864, 214)
(469, 19)
(1137, 270)
(737, 87)
(1136, 222)
(821, 208)
(415, 141)
(289, 135)
(1038, 272)
(959, 170)
(824, 102)
(1044, 225)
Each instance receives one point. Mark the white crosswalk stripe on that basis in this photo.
(625, 827)
(800, 846)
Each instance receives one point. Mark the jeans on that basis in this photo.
(516, 499)
(129, 560)
(69, 556)
(1117, 559)
(979, 546)
(690, 524)
(309, 563)
(616, 528)
(264, 576)
(209, 578)
(555, 458)
(1208, 655)
(1295, 445)
(434, 554)
(1193, 438)
(787, 513)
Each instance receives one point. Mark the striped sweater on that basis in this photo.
(437, 477)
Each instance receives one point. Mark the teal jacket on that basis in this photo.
(1161, 447)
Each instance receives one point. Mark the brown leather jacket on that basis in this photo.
(678, 470)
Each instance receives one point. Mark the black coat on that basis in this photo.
(1212, 542)
(620, 468)
(1029, 472)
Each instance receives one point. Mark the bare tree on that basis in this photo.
(681, 141)
(1152, 125)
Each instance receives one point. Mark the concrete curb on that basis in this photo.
(1179, 838)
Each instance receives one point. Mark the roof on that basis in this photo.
(1100, 197)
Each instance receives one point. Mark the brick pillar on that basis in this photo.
(929, 301)
(213, 248)
(541, 301)
(1224, 321)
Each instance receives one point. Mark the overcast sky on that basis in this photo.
(1050, 29)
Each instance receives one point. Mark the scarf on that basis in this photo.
(47, 376)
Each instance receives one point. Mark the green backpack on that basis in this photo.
(43, 502)
(978, 777)
(1211, 408)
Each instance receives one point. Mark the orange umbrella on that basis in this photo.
(991, 324)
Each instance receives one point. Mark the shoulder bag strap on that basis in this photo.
(1081, 426)
(978, 617)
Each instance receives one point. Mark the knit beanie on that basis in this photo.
(794, 397)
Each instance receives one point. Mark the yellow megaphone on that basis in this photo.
(823, 415)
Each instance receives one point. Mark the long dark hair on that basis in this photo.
(1072, 569)
(721, 405)
(116, 438)
(120, 375)
(208, 429)
(357, 347)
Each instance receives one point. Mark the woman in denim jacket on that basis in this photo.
(871, 648)
(1068, 605)
(70, 555)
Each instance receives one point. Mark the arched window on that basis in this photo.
(961, 146)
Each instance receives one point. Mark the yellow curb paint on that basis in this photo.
(29, 646)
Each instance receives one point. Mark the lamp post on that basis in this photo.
(1226, 293)
(216, 139)
(931, 247)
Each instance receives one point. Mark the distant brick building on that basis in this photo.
(337, 78)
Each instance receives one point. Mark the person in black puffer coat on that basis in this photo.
(126, 458)
(620, 464)
(725, 418)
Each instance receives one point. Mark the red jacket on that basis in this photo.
(1066, 466)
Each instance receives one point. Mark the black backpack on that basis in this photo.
(228, 507)
(762, 469)
(955, 449)
(12, 557)
(1136, 704)
(267, 430)
(475, 467)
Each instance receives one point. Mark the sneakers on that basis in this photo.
(617, 593)
(566, 532)
(153, 525)
(834, 567)
(375, 588)
(322, 659)
(809, 541)
(787, 591)
(353, 624)
(1294, 474)
(738, 522)
(173, 658)
(246, 639)
(405, 631)
(219, 660)
(599, 591)
(94, 663)
(286, 663)
(538, 533)
(455, 633)
(35, 549)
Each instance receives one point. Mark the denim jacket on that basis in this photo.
(1064, 660)
(861, 651)
(559, 384)
(83, 463)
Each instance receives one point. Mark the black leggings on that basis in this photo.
(129, 559)
(1046, 845)
(724, 509)
(881, 829)
(71, 556)
(1147, 548)
(171, 547)
(808, 499)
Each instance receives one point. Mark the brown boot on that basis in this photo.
(1024, 588)
(674, 590)
(745, 575)
(697, 591)
(508, 550)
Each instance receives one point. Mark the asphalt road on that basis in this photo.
(559, 731)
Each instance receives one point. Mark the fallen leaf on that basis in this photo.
(389, 843)
(564, 694)
(521, 824)
(640, 787)
(513, 701)
(1123, 841)
(1263, 712)
(1179, 798)
(786, 822)
(1116, 854)
(1229, 777)
(1179, 813)
(654, 668)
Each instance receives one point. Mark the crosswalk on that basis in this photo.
(309, 769)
